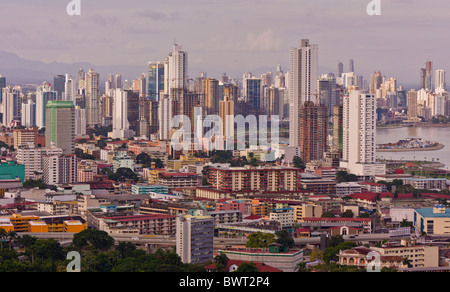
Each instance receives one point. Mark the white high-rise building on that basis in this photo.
(178, 64)
(440, 80)
(80, 121)
(93, 98)
(11, 105)
(195, 239)
(44, 94)
(304, 68)
(165, 117)
(29, 113)
(121, 125)
(69, 89)
(359, 135)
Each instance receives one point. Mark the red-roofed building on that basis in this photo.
(373, 187)
(140, 224)
(326, 223)
(233, 265)
(285, 261)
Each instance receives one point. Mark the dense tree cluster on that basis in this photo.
(98, 251)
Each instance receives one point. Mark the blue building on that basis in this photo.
(155, 80)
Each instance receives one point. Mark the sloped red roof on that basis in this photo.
(260, 266)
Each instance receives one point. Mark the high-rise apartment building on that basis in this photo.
(375, 82)
(155, 80)
(121, 125)
(429, 75)
(69, 89)
(59, 82)
(313, 131)
(60, 125)
(302, 84)
(253, 93)
(412, 105)
(44, 94)
(60, 169)
(440, 80)
(195, 239)
(80, 121)
(11, 105)
(359, 135)
(329, 93)
(177, 76)
(93, 98)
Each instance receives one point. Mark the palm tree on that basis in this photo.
(221, 261)
(3, 236)
(12, 237)
(407, 262)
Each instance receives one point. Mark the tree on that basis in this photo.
(302, 268)
(221, 262)
(316, 254)
(407, 262)
(143, 158)
(284, 238)
(328, 214)
(260, 240)
(12, 235)
(247, 268)
(298, 163)
(348, 214)
(100, 240)
(3, 236)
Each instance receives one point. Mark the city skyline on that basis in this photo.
(232, 37)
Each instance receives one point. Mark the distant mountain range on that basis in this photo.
(18, 70)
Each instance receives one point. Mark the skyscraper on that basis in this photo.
(11, 105)
(59, 85)
(177, 66)
(80, 121)
(440, 80)
(359, 135)
(195, 239)
(121, 125)
(375, 82)
(2, 85)
(44, 94)
(118, 82)
(429, 75)
(313, 131)
(412, 105)
(210, 91)
(60, 125)
(69, 89)
(92, 98)
(329, 94)
(156, 75)
(302, 84)
(351, 66)
(340, 69)
(29, 113)
(253, 93)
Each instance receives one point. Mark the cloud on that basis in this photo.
(264, 42)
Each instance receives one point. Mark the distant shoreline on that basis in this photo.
(426, 125)
(433, 148)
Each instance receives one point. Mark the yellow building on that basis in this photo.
(21, 224)
(38, 227)
(6, 224)
(307, 211)
(74, 226)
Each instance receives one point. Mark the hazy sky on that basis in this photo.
(232, 36)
